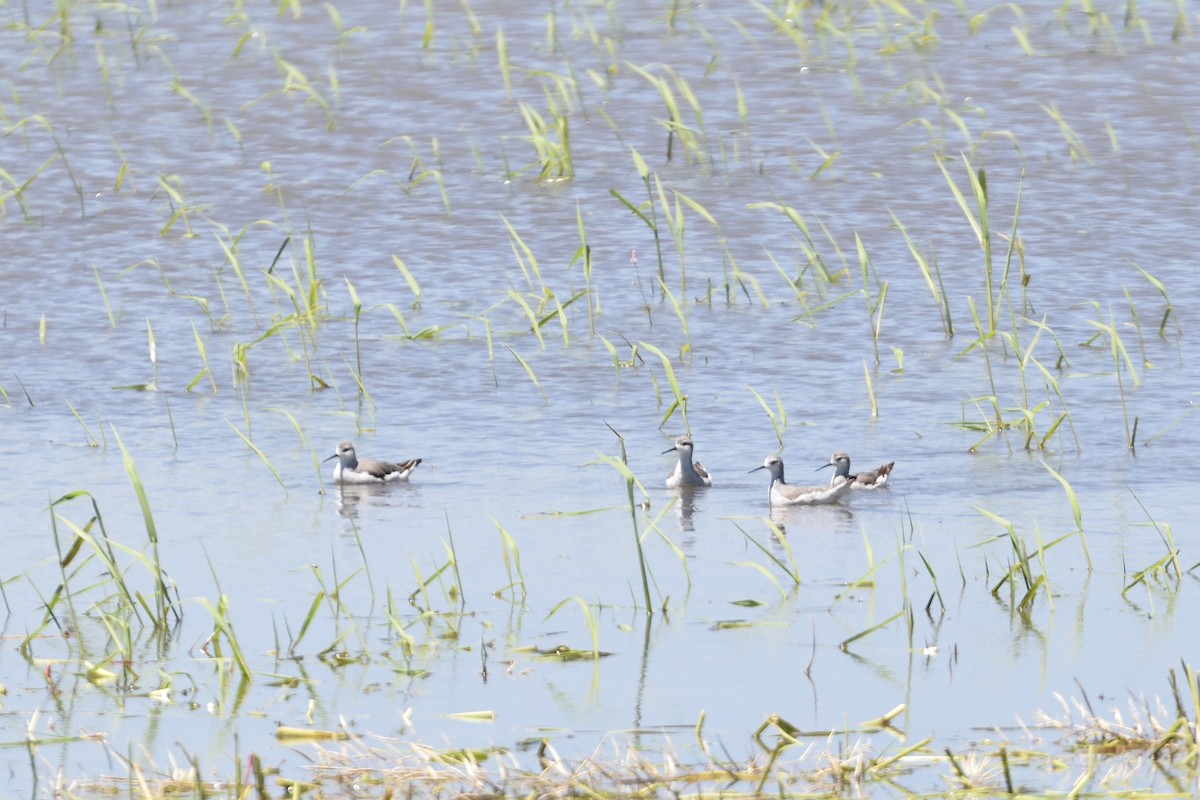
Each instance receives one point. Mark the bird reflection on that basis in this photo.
(783, 515)
(350, 497)
(686, 507)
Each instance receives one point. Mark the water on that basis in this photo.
(502, 452)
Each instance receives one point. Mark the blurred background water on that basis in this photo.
(148, 147)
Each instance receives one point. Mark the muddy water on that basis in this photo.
(202, 104)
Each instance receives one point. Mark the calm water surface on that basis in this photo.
(270, 125)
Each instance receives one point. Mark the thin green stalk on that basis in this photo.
(930, 272)
(528, 371)
(630, 480)
(1076, 511)
(357, 317)
(162, 591)
(261, 455)
(680, 398)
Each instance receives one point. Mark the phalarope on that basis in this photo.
(781, 494)
(686, 472)
(874, 479)
(350, 469)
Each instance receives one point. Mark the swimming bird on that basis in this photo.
(350, 469)
(782, 494)
(686, 472)
(874, 479)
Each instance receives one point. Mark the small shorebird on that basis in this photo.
(874, 479)
(686, 472)
(781, 494)
(350, 469)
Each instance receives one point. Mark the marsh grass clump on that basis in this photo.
(121, 600)
(1167, 732)
(570, 94)
(1036, 420)
(1026, 572)
(296, 83)
(780, 757)
(689, 138)
(551, 141)
(301, 306)
(1166, 572)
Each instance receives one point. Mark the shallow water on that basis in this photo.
(501, 451)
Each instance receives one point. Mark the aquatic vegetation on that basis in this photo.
(37, 121)
(680, 399)
(932, 275)
(1122, 364)
(777, 415)
(788, 567)
(639, 211)
(553, 149)
(478, 184)
(631, 480)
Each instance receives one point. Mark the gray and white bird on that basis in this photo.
(686, 472)
(351, 469)
(874, 479)
(783, 494)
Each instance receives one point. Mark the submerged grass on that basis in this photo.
(832, 37)
(781, 758)
(121, 606)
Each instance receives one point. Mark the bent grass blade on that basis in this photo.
(680, 398)
(630, 481)
(778, 415)
(161, 593)
(261, 455)
(528, 371)
(844, 645)
(1073, 499)
(512, 560)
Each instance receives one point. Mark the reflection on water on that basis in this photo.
(380, 260)
(351, 498)
(686, 506)
(812, 520)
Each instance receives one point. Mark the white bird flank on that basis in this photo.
(783, 494)
(874, 479)
(687, 472)
(350, 469)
